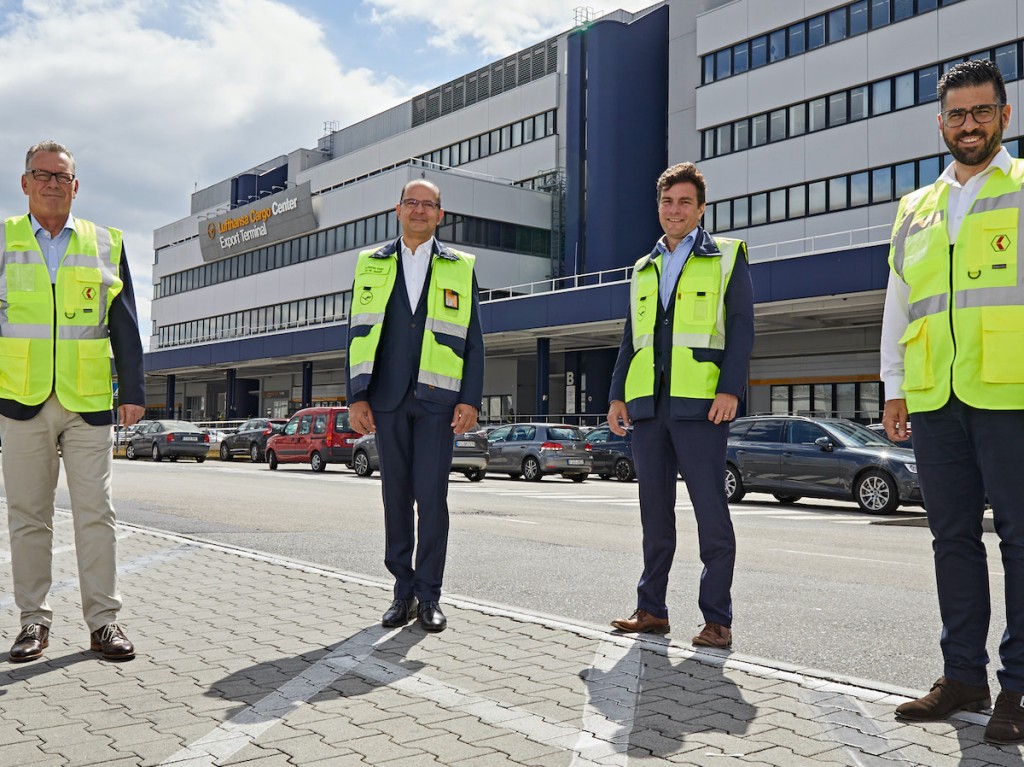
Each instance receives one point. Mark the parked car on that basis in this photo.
(531, 450)
(168, 439)
(907, 443)
(795, 456)
(469, 456)
(317, 435)
(251, 439)
(613, 455)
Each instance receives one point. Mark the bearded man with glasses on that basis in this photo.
(66, 302)
(414, 376)
(952, 357)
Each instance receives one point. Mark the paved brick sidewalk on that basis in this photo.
(246, 659)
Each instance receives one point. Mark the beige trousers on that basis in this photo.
(30, 469)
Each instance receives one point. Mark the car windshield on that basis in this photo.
(854, 435)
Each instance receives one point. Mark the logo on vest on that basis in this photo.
(89, 293)
(365, 297)
(1000, 242)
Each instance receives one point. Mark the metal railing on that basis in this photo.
(872, 235)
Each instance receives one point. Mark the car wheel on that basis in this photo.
(475, 475)
(578, 477)
(254, 453)
(317, 462)
(787, 499)
(734, 491)
(225, 454)
(531, 469)
(361, 464)
(129, 452)
(156, 453)
(272, 460)
(624, 470)
(876, 493)
(200, 458)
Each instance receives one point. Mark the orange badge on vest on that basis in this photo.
(451, 299)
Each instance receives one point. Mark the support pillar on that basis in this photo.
(231, 395)
(169, 397)
(543, 376)
(307, 384)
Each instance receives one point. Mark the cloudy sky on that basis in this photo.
(159, 97)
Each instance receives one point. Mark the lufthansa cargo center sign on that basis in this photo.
(264, 222)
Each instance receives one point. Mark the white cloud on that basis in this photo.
(155, 98)
(495, 29)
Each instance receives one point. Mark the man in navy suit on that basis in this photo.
(679, 377)
(414, 373)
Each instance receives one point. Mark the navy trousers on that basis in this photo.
(662, 447)
(964, 453)
(415, 447)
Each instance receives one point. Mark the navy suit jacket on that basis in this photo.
(123, 324)
(398, 353)
(733, 361)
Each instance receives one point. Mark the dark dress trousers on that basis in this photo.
(415, 441)
(680, 438)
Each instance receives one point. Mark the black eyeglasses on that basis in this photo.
(44, 176)
(982, 113)
(428, 205)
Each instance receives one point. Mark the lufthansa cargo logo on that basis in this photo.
(365, 297)
(1000, 242)
(211, 231)
(89, 293)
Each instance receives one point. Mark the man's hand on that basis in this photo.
(894, 418)
(128, 415)
(360, 418)
(464, 418)
(724, 408)
(618, 417)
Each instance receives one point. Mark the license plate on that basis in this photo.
(190, 439)
(576, 462)
(464, 443)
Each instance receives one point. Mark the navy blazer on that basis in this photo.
(398, 353)
(733, 361)
(123, 324)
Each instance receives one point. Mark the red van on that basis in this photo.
(317, 435)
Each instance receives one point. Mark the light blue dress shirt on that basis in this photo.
(672, 263)
(53, 248)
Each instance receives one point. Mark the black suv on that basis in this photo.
(794, 456)
(251, 439)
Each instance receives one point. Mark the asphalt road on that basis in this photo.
(818, 584)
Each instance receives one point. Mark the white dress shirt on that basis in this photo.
(896, 316)
(415, 266)
(672, 263)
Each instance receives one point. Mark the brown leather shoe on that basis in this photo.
(642, 622)
(111, 641)
(947, 696)
(714, 635)
(1006, 725)
(33, 639)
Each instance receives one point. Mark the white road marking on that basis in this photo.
(840, 556)
(502, 519)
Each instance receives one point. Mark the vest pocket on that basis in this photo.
(14, 356)
(917, 361)
(1002, 342)
(93, 367)
(698, 301)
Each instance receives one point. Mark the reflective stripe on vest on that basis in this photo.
(966, 328)
(698, 322)
(74, 310)
(449, 309)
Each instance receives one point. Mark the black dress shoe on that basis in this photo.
(111, 642)
(33, 639)
(431, 618)
(401, 612)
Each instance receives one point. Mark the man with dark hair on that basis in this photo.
(678, 379)
(414, 374)
(952, 341)
(68, 302)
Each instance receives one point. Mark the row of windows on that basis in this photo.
(853, 190)
(890, 94)
(498, 140)
(853, 19)
(498, 77)
(454, 229)
(857, 401)
(332, 307)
